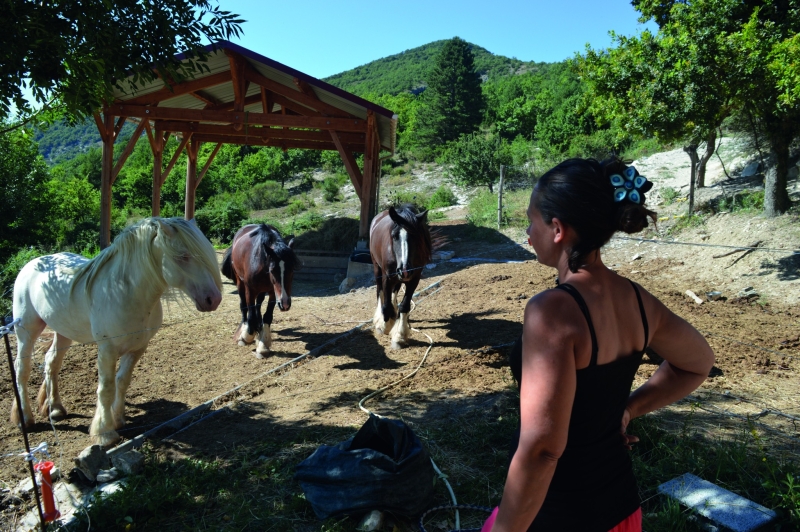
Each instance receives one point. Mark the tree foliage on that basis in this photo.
(72, 51)
(475, 159)
(453, 102)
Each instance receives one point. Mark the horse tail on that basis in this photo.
(227, 265)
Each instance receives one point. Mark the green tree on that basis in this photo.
(24, 203)
(453, 102)
(73, 50)
(676, 85)
(475, 159)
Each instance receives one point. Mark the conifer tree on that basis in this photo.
(453, 102)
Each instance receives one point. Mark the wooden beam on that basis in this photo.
(127, 151)
(101, 127)
(105, 180)
(266, 101)
(305, 88)
(157, 145)
(191, 178)
(258, 131)
(207, 99)
(171, 91)
(118, 127)
(368, 181)
(150, 137)
(195, 115)
(202, 173)
(349, 162)
(278, 88)
(181, 146)
(277, 143)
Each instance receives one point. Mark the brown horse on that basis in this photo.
(400, 245)
(261, 264)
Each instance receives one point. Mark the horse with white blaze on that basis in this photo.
(113, 299)
(400, 246)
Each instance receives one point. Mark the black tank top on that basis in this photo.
(593, 487)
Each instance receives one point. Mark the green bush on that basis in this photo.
(331, 189)
(482, 209)
(333, 234)
(748, 201)
(266, 195)
(668, 194)
(309, 221)
(9, 273)
(442, 197)
(300, 203)
(221, 217)
(400, 197)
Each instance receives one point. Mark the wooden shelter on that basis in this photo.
(244, 98)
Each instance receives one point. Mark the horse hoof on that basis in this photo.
(398, 345)
(58, 414)
(107, 439)
(261, 355)
(241, 343)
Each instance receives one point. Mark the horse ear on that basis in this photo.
(165, 229)
(291, 242)
(395, 217)
(423, 216)
(193, 222)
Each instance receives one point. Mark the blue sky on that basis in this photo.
(322, 38)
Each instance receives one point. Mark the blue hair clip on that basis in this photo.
(630, 185)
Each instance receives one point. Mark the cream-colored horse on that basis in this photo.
(114, 300)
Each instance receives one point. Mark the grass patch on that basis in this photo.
(300, 203)
(746, 202)
(397, 180)
(684, 221)
(482, 209)
(668, 194)
(442, 197)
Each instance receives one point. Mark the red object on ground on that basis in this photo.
(50, 512)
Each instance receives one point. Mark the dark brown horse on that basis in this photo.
(400, 245)
(261, 264)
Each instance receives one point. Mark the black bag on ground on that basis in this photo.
(383, 467)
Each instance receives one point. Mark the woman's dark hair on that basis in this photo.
(579, 193)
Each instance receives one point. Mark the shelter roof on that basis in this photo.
(272, 104)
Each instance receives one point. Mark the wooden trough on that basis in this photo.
(321, 266)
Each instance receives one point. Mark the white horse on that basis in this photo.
(114, 300)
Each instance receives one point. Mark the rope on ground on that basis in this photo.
(699, 244)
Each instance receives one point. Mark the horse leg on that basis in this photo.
(27, 333)
(242, 331)
(250, 332)
(377, 320)
(265, 336)
(388, 310)
(102, 429)
(126, 364)
(403, 329)
(49, 396)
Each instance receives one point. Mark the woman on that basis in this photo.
(581, 345)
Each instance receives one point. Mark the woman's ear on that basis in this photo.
(559, 231)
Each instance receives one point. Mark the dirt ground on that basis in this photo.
(193, 358)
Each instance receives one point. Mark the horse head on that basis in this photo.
(411, 241)
(188, 261)
(282, 264)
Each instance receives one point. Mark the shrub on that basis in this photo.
(331, 189)
(748, 201)
(266, 195)
(221, 217)
(482, 209)
(307, 222)
(299, 204)
(333, 234)
(9, 274)
(442, 197)
(668, 194)
(400, 197)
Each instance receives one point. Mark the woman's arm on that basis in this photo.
(687, 361)
(547, 392)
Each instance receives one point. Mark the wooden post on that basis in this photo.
(106, 169)
(158, 159)
(367, 195)
(191, 177)
(691, 149)
(500, 197)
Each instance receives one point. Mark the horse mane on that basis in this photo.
(266, 236)
(408, 213)
(132, 251)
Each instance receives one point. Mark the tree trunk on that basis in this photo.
(776, 198)
(691, 149)
(711, 142)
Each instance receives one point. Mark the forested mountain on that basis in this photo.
(61, 142)
(407, 70)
